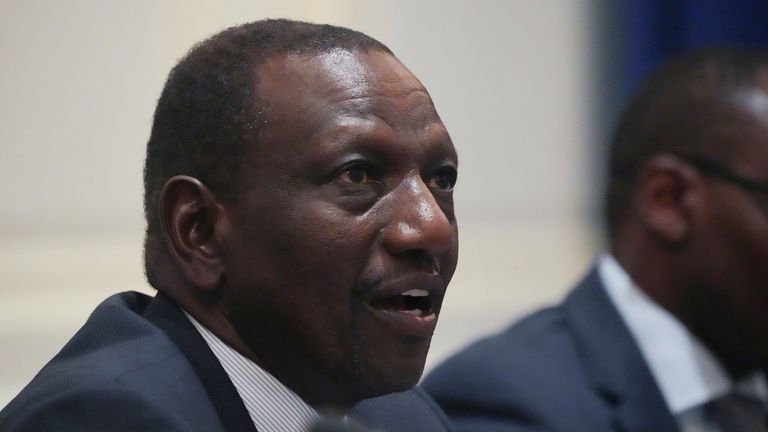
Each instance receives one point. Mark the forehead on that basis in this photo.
(751, 106)
(339, 68)
(340, 101)
(739, 129)
(341, 81)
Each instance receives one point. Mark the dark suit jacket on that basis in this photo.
(574, 367)
(138, 365)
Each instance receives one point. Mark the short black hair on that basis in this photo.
(678, 110)
(208, 114)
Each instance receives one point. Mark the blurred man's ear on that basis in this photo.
(662, 198)
(190, 215)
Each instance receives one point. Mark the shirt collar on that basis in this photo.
(273, 407)
(686, 371)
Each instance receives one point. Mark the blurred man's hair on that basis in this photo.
(679, 110)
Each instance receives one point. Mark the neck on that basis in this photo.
(317, 391)
(657, 273)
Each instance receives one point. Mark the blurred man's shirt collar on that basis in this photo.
(686, 371)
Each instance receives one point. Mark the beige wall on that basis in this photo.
(77, 89)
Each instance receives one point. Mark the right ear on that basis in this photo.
(662, 197)
(191, 218)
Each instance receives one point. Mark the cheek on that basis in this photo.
(449, 261)
(323, 254)
(738, 261)
(328, 232)
(734, 236)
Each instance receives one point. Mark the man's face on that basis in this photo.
(344, 240)
(731, 252)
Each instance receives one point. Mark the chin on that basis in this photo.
(393, 380)
(391, 366)
(404, 381)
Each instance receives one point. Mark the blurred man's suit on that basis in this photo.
(669, 331)
(595, 377)
(145, 367)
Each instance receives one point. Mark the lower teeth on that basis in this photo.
(416, 312)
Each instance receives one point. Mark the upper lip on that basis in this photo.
(391, 287)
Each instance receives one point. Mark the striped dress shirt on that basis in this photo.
(273, 407)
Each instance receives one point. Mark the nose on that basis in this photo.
(417, 224)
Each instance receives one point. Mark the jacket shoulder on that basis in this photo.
(537, 350)
(528, 377)
(94, 407)
(119, 372)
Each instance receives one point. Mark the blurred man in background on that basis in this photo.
(669, 331)
(301, 235)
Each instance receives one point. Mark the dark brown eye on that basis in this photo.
(443, 180)
(355, 175)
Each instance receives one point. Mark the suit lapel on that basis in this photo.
(224, 397)
(613, 361)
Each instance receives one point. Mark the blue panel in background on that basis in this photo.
(657, 29)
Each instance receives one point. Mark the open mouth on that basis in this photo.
(416, 302)
(408, 305)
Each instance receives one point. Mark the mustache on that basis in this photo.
(367, 284)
